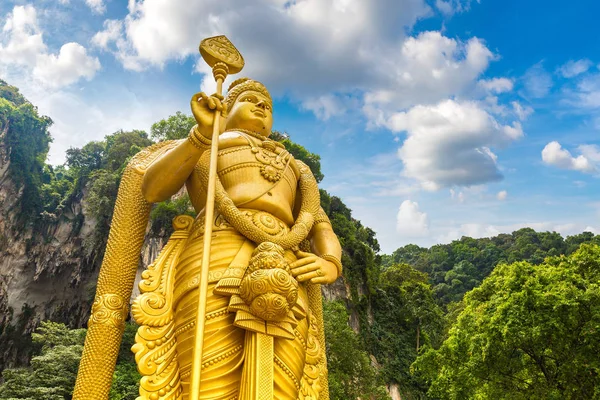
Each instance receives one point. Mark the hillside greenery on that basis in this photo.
(511, 316)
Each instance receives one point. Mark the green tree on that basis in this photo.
(176, 126)
(351, 375)
(25, 133)
(528, 332)
(53, 371)
(405, 317)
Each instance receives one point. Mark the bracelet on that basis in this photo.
(198, 139)
(334, 260)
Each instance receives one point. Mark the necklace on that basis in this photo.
(265, 141)
(249, 132)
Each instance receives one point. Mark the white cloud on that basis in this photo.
(537, 81)
(451, 7)
(97, 6)
(112, 32)
(587, 94)
(25, 48)
(428, 68)
(71, 64)
(574, 68)
(410, 222)
(502, 195)
(522, 112)
(460, 196)
(553, 154)
(313, 46)
(22, 37)
(449, 143)
(324, 107)
(591, 152)
(496, 85)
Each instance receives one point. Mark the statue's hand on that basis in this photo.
(309, 267)
(204, 108)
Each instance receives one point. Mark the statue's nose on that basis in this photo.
(261, 104)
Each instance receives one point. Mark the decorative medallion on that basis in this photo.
(273, 164)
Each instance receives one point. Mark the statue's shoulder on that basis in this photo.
(142, 160)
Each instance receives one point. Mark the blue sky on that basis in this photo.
(433, 118)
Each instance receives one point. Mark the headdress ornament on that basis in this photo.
(241, 85)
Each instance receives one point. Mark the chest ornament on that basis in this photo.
(273, 164)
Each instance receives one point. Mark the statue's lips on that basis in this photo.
(259, 112)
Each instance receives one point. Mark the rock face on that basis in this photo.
(48, 271)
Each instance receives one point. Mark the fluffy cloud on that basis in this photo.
(71, 64)
(574, 68)
(112, 32)
(428, 68)
(97, 6)
(365, 48)
(24, 47)
(522, 112)
(537, 81)
(451, 7)
(502, 195)
(410, 221)
(587, 93)
(22, 37)
(324, 107)
(358, 34)
(553, 154)
(449, 143)
(496, 85)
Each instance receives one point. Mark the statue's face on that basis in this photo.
(251, 111)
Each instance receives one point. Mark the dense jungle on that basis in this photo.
(515, 316)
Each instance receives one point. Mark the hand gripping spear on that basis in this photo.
(220, 54)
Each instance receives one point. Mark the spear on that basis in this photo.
(222, 56)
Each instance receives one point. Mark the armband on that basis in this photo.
(198, 140)
(333, 259)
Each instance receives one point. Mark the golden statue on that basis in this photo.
(231, 308)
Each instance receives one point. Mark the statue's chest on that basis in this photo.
(257, 169)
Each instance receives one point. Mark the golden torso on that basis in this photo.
(258, 176)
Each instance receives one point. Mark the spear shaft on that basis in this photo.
(223, 63)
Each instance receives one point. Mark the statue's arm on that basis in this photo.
(168, 173)
(324, 242)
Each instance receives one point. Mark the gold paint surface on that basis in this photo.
(263, 324)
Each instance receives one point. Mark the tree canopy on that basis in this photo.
(530, 331)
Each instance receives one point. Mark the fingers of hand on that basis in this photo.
(303, 261)
(310, 275)
(303, 254)
(304, 269)
(322, 280)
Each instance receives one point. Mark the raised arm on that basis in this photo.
(168, 174)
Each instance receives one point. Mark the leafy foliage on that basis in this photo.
(528, 332)
(351, 375)
(176, 126)
(25, 132)
(163, 213)
(300, 153)
(458, 267)
(405, 317)
(53, 372)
